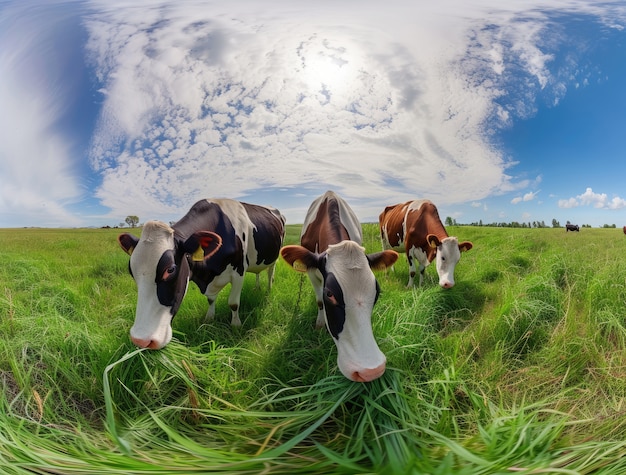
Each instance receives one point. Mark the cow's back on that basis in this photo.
(329, 220)
(229, 220)
(268, 231)
(422, 219)
(391, 223)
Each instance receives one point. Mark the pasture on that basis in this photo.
(520, 368)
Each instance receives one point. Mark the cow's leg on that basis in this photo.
(270, 275)
(318, 286)
(210, 314)
(411, 270)
(414, 254)
(234, 299)
(211, 292)
(422, 269)
(422, 259)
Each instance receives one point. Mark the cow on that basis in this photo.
(571, 227)
(415, 227)
(624, 229)
(332, 255)
(214, 244)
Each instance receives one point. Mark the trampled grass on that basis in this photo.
(517, 369)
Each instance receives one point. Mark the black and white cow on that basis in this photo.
(214, 244)
(345, 287)
(571, 227)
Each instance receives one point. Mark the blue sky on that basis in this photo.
(496, 110)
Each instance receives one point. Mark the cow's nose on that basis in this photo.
(145, 343)
(447, 284)
(366, 375)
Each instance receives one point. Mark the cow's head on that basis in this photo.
(160, 265)
(350, 292)
(448, 254)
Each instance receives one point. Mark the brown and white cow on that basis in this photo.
(214, 244)
(415, 227)
(345, 287)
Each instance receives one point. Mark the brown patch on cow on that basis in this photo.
(422, 225)
(325, 229)
(391, 220)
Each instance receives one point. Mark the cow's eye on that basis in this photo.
(330, 297)
(169, 272)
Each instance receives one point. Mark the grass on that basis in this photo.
(517, 369)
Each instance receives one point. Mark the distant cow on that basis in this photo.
(624, 229)
(214, 244)
(345, 287)
(571, 227)
(415, 227)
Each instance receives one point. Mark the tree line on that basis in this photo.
(516, 224)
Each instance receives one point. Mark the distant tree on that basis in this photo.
(132, 221)
(480, 223)
(448, 221)
(555, 223)
(121, 225)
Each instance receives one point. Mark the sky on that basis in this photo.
(496, 110)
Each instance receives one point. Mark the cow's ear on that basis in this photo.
(382, 260)
(202, 245)
(465, 246)
(300, 258)
(128, 242)
(433, 241)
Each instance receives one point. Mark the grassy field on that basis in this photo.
(520, 368)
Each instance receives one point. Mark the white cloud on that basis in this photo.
(570, 203)
(37, 169)
(596, 200)
(531, 195)
(346, 99)
(203, 98)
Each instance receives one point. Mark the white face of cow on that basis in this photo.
(160, 266)
(349, 293)
(448, 255)
(154, 254)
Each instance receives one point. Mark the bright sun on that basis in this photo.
(327, 72)
(327, 65)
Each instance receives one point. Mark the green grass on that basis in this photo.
(519, 368)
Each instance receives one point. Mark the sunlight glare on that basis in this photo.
(329, 72)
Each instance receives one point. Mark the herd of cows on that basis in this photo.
(219, 240)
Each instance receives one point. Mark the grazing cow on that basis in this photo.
(415, 227)
(345, 287)
(624, 229)
(214, 244)
(571, 227)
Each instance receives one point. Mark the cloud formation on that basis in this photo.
(596, 200)
(200, 98)
(200, 101)
(531, 195)
(37, 165)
